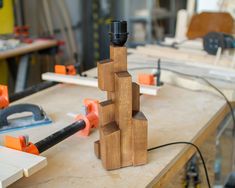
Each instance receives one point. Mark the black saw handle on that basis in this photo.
(38, 113)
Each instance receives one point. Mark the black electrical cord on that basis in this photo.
(198, 77)
(189, 143)
(198, 150)
(227, 101)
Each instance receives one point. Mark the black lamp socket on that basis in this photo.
(118, 33)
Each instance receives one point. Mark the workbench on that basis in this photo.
(175, 114)
(23, 51)
(28, 48)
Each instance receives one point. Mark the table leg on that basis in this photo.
(22, 73)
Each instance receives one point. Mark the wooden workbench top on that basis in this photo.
(28, 48)
(175, 114)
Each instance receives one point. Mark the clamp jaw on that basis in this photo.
(4, 99)
(148, 79)
(65, 69)
(91, 117)
(83, 124)
(21, 143)
(21, 31)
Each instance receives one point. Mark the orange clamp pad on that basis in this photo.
(19, 144)
(91, 118)
(4, 100)
(146, 79)
(62, 69)
(17, 31)
(71, 70)
(25, 30)
(60, 42)
(92, 105)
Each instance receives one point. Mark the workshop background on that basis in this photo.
(88, 21)
(80, 26)
(37, 35)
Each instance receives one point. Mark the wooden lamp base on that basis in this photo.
(122, 126)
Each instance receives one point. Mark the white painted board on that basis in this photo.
(28, 162)
(92, 82)
(9, 174)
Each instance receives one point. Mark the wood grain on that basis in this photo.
(110, 146)
(123, 114)
(106, 75)
(135, 97)
(206, 22)
(111, 95)
(106, 112)
(97, 148)
(119, 56)
(123, 100)
(139, 135)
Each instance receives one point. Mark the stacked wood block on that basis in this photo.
(122, 127)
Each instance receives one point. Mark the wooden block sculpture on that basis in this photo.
(122, 127)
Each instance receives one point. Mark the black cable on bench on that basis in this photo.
(198, 150)
(189, 143)
(198, 77)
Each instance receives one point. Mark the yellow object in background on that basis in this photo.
(7, 17)
(6, 27)
(3, 72)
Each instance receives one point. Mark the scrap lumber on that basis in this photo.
(70, 79)
(15, 164)
(181, 24)
(185, 57)
(57, 19)
(88, 81)
(28, 162)
(66, 19)
(48, 17)
(9, 174)
(197, 84)
(205, 22)
(222, 79)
